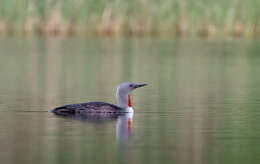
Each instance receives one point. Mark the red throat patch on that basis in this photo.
(129, 101)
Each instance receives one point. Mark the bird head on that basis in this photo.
(128, 87)
(123, 93)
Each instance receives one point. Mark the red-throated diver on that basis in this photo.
(94, 108)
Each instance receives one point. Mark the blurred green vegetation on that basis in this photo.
(137, 17)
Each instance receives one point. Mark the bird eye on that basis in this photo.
(131, 85)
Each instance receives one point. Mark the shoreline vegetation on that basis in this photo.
(235, 18)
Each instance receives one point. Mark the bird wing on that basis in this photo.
(91, 107)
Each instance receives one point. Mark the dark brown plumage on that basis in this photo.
(87, 108)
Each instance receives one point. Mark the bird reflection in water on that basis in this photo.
(123, 127)
(123, 124)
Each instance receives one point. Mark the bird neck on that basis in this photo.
(123, 99)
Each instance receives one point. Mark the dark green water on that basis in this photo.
(202, 105)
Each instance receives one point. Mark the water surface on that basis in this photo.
(202, 104)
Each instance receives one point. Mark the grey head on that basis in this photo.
(123, 90)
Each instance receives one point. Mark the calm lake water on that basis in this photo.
(202, 105)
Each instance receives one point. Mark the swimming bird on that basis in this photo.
(93, 109)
